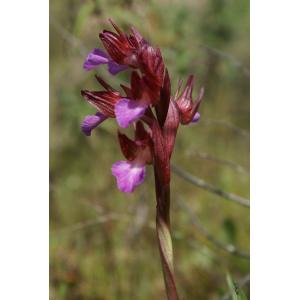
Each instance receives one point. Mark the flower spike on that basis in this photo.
(147, 105)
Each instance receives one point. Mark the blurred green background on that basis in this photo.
(102, 242)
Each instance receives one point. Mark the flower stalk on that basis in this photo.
(163, 232)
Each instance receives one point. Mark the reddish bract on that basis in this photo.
(122, 48)
(187, 108)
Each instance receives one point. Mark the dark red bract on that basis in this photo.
(187, 108)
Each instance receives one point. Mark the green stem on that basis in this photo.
(163, 231)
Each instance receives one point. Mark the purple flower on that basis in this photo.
(94, 59)
(128, 174)
(187, 107)
(98, 57)
(131, 172)
(114, 68)
(196, 117)
(128, 111)
(92, 121)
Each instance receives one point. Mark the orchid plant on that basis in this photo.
(147, 106)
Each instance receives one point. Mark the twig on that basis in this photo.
(96, 221)
(224, 123)
(242, 282)
(229, 57)
(206, 186)
(226, 247)
(229, 163)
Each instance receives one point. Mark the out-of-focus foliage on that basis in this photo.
(235, 292)
(102, 242)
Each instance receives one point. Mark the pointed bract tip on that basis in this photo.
(116, 27)
(190, 80)
(103, 83)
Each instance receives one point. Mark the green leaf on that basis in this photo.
(236, 292)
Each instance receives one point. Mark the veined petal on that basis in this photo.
(114, 68)
(196, 117)
(128, 111)
(103, 101)
(95, 58)
(128, 174)
(92, 121)
(130, 149)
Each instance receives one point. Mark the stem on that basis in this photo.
(163, 232)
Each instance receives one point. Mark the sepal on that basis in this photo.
(104, 101)
(170, 127)
(128, 147)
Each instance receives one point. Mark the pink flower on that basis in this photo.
(98, 57)
(132, 108)
(147, 99)
(131, 173)
(128, 174)
(122, 48)
(92, 121)
(187, 108)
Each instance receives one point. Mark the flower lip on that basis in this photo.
(127, 111)
(98, 57)
(114, 68)
(196, 117)
(128, 175)
(92, 121)
(95, 58)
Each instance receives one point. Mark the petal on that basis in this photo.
(129, 147)
(196, 117)
(91, 122)
(95, 58)
(128, 175)
(103, 101)
(114, 68)
(128, 111)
